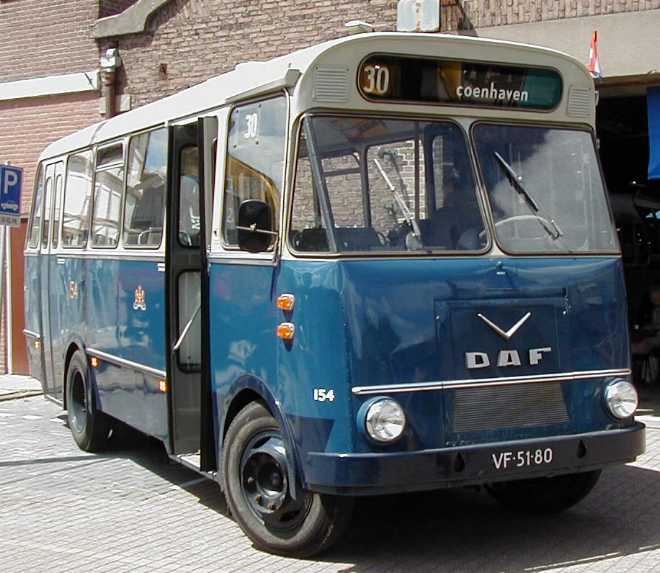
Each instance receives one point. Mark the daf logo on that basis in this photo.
(505, 357)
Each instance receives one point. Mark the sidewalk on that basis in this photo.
(13, 386)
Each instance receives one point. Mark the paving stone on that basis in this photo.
(130, 509)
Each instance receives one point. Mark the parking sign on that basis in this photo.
(11, 181)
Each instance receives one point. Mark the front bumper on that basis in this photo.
(380, 473)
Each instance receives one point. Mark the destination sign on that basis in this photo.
(419, 80)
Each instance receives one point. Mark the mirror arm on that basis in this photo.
(253, 229)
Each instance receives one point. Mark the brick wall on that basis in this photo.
(112, 7)
(198, 39)
(40, 38)
(41, 121)
(485, 13)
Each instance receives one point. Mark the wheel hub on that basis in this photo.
(78, 404)
(265, 483)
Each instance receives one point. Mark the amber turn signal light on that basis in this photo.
(286, 302)
(94, 362)
(286, 331)
(162, 385)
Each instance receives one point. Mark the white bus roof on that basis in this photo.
(253, 78)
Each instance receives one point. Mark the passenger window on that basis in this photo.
(189, 197)
(57, 205)
(255, 160)
(108, 187)
(78, 192)
(48, 196)
(145, 189)
(35, 229)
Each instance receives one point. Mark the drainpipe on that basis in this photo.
(110, 63)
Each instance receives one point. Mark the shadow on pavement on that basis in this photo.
(460, 529)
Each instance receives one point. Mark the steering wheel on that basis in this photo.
(530, 217)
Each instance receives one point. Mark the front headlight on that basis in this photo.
(385, 420)
(621, 398)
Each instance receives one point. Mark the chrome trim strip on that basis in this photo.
(111, 256)
(241, 261)
(481, 382)
(31, 334)
(123, 362)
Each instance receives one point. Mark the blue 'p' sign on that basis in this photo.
(11, 182)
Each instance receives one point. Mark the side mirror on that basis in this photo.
(255, 232)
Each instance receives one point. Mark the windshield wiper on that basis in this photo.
(398, 197)
(516, 183)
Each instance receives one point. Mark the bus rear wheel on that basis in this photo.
(258, 493)
(544, 495)
(90, 427)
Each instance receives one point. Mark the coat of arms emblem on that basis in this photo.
(140, 302)
(73, 290)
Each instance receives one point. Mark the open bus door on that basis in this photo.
(191, 169)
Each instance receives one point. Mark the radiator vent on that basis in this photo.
(502, 407)
(581, 102)
(331, 84)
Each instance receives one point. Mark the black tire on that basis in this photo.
(302, 528)
(544, 495)
(90, 427)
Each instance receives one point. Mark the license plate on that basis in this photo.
(522, 458)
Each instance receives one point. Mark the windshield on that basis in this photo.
(365, 184)
(545, 189)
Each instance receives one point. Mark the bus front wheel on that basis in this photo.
(89, 426)
(258, 493)
(544, 495)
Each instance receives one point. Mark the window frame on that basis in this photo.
(55, 230)
(127, 147)
(92, 151)
(41, 175)
(97, 148)
(235, 249)
(44, 241)
(480, 193)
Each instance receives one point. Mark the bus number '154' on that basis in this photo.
(323, 395)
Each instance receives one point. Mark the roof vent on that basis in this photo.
(581, 102)
(331, 84)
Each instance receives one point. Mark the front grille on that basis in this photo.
(502, 407)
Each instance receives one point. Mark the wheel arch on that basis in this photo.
(246, 390)
(71, 349)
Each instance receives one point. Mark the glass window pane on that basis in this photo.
(57, 205)
(307, 232)
(78, 192)
(545, 189)
(45, 228)
(255, 160)
(35, 229)
(189, 197)
(108, 188)
(145, 189)
(390, 185)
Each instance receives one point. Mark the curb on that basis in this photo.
(19, 394)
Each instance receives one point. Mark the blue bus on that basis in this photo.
(381, 264)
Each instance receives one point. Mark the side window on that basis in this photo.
(145, 189)
(57, 205)
(189, 197)
(78, 192)
(48, 199)
(108, 187)
(255, 160)
(37, 203)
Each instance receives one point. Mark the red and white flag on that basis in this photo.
(594, 61)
